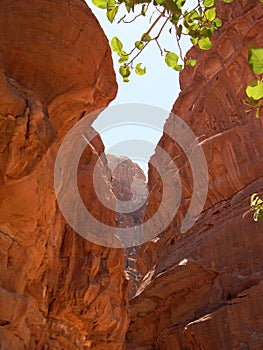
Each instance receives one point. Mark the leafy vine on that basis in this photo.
(199, 23)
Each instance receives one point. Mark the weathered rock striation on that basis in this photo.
(57, 290)
(202, 289)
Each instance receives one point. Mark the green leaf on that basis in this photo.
(258, 215)
(146, 37)
(139, 45)
(124, 57)
(255, 89)
(228, 1)
(180, 3)
(123, 53)
(249, 101)
(191, 63)
(116, 44)
(111, 14)
(255, 59)
(171, 60)
(255, 201)
(125, 72)
(218, 22)
(102, 4)
(173, 7)
(139, 70)
(194, 41)
(206, 31)
(144, 10)
(205, 44)
(210, 14)
(111, 4)
(121, 60)
(129, 5)
(257, 204)
(209, 3)
(191, 17)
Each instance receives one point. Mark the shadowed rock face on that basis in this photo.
(201, 289)
(58, 291)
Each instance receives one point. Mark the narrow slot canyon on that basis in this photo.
(201, 288)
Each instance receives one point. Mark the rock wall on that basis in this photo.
(57, 290)
(129, 184)
(201, 289)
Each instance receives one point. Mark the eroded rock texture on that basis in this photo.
(58, 291)
(202, 289)
(129, 185)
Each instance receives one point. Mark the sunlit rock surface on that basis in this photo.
(202, 289)
(58, 291)
(199, 290)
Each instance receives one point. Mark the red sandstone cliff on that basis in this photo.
(57, 290)
(203, 289)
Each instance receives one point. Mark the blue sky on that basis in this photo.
(159, 87)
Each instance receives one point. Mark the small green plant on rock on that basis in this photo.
(254, 89)
(256, 204)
